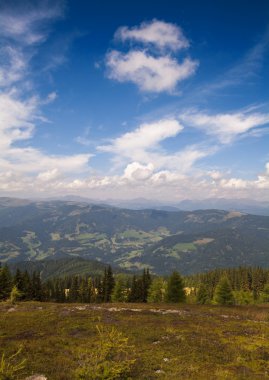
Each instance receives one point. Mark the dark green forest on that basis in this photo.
(242, 285)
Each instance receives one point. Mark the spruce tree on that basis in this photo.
(202, 295)
(119, 293)
(146, 281)
(135, 294)
(175, 288)
(36, 287)
(83, 291)
(223, 293)
(5, 283)
(74, 289)
(26, 286)
(108, 284)
(157, 290)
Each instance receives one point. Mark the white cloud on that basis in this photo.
(16, 119)
(138, 172)
(48, 175)
(151, 70)
(20, 110)
(27, 24)
(146, 137)
(12, 65)
(158, 33)
(149, 73)
(224, 126)
(51, 97)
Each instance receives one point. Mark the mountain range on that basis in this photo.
(189, 241)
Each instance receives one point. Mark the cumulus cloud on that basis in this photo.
(149, 73)
(137, 172)
(224, 126)
(158, 33)
(143, 146)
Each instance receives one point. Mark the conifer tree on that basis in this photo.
(223, 293)
(36, 287)
(74, 289)
(157, 290)
(26, 286)
(108, 284)
(5, 283)
(119, 293)
(175, 288)
(135, 291)
(146, 281)
(83, 291)
(202, 295)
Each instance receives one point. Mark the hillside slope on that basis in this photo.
(163, 240)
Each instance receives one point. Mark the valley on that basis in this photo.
(132, 239)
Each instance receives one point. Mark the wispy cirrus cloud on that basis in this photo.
(27, 22)
(245, 71)
(22, 29)
(152, 71)
(224, 126)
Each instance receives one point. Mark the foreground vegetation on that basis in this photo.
(136, 341)
(213, 325)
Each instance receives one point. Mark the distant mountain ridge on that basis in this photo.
(244, 205)
(189, 241)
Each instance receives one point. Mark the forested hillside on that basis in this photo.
(132, 239)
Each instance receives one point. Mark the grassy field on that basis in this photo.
(167, 341)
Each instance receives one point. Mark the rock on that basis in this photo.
(36, 377)
(11, 309)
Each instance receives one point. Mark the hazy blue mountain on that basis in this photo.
(189, 241)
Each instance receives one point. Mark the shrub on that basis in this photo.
(110, 360)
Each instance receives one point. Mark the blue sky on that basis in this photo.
(165, 100)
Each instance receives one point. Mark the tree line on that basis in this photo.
(221, 286)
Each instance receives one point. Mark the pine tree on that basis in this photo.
(146, 281)
(18, 280)
(74, 289)
(223, 293)
(98, 284)
(157, 290)
(26, 286)
(36, 287)
(119, 293)
(83, 291)
(202, 295)
(108, 284)
(135, 291)
(175, 288)
(5, 283)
